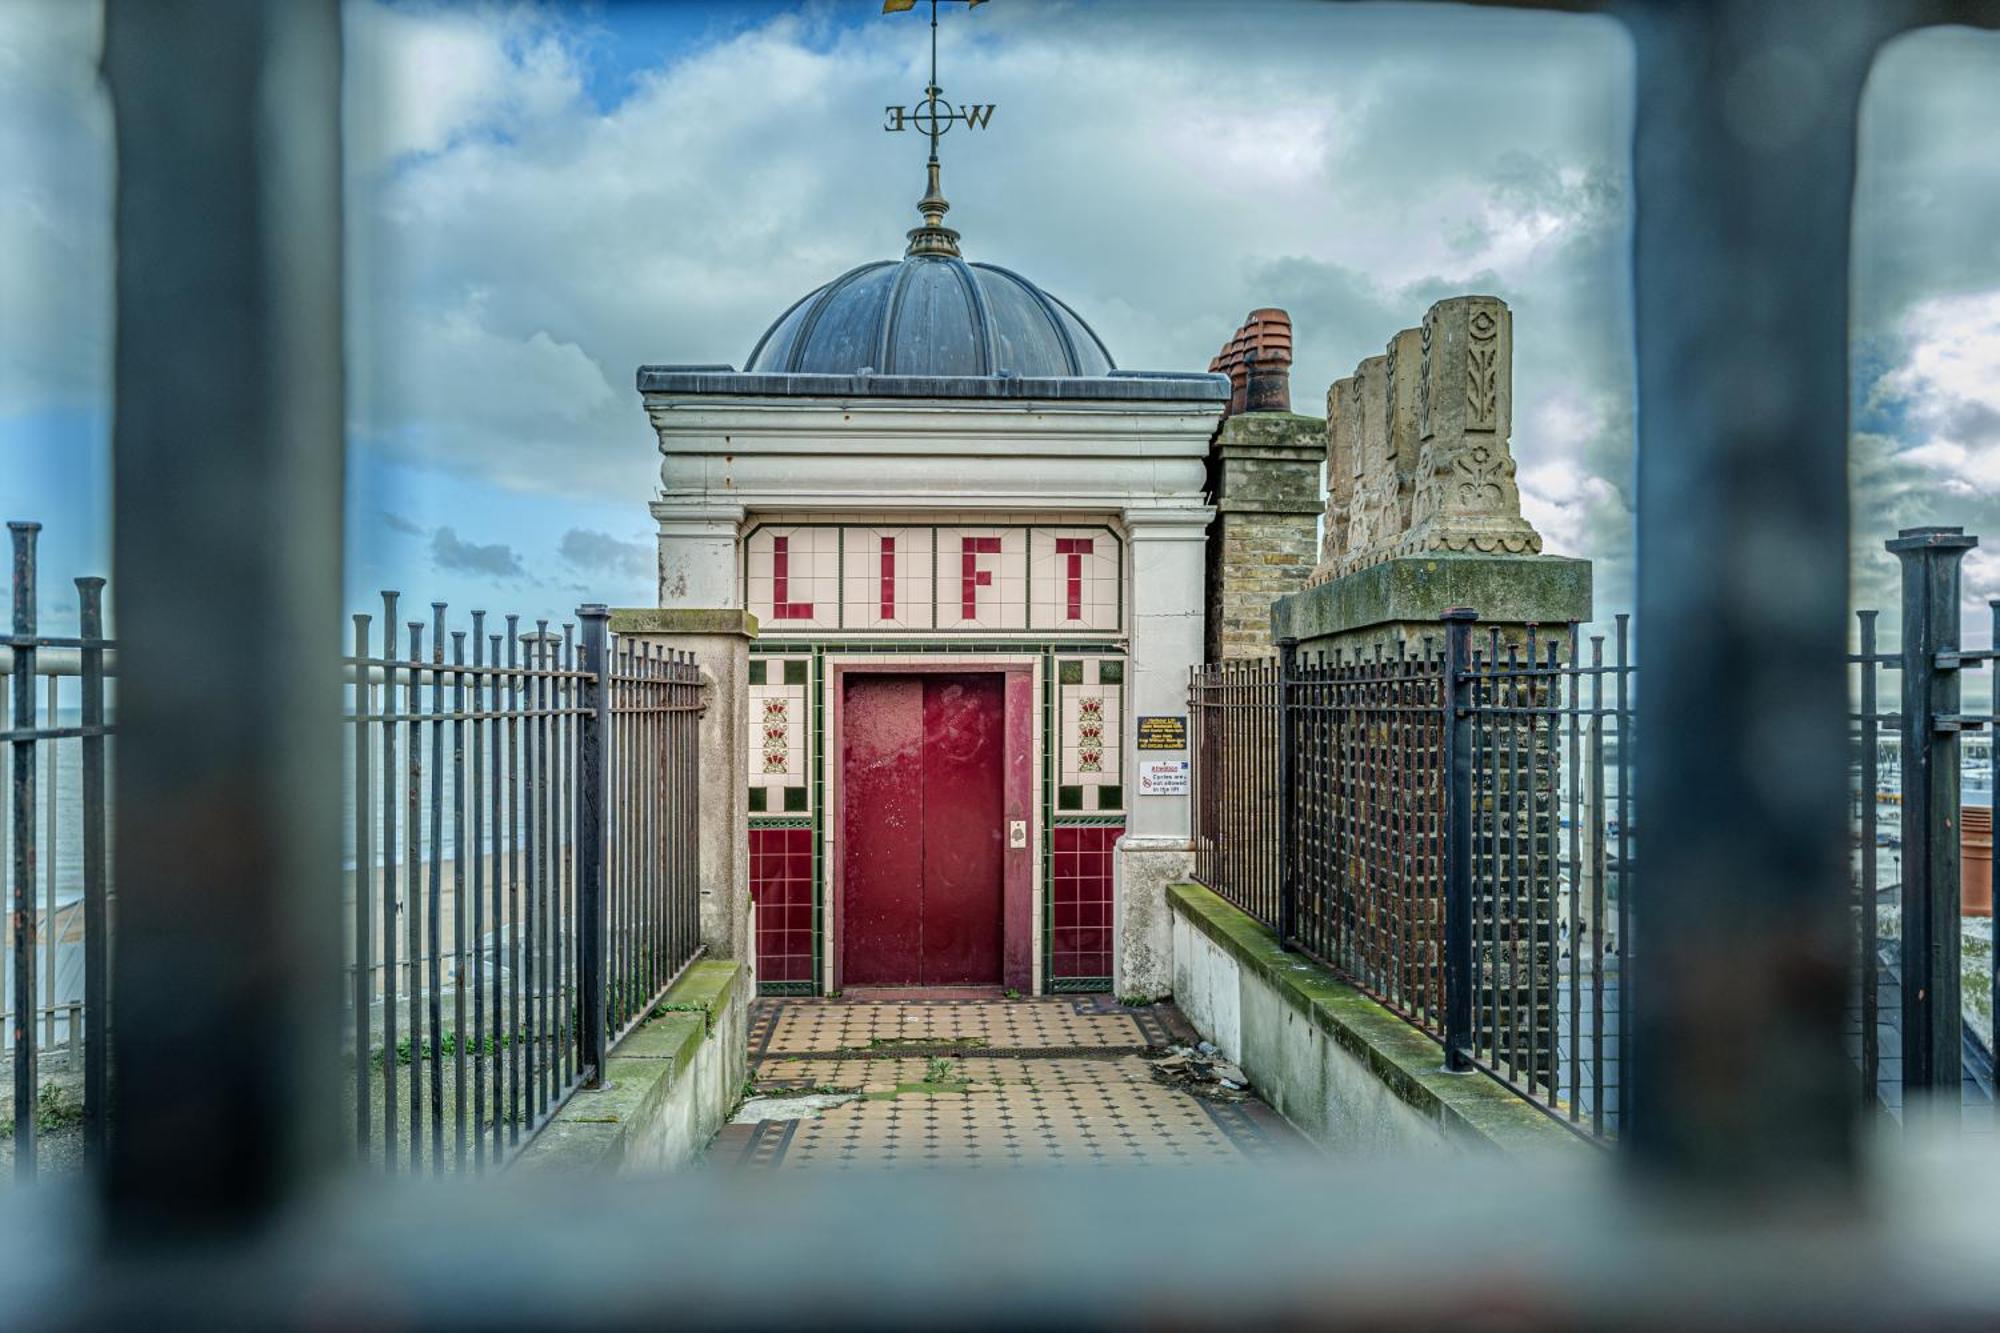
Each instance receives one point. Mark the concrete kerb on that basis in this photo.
(669, 1085)
(1469, 1109)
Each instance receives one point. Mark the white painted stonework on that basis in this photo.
(842, 522)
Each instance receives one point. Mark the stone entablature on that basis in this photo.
(1418, 453)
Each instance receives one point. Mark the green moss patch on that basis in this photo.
(1406, 1060)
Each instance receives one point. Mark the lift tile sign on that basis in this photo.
(900, 578)
(1163, 732)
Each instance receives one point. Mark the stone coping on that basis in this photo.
(1469, 1107)
(683, 620)
(588, 1134)
(1503, 589)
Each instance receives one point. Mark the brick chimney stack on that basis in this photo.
(1263, 476)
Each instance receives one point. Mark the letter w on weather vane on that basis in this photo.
(933, 115)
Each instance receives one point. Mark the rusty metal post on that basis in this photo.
(592, 825)
(96, 888)
(1287, 796)
(1456, 750)
(21, 899)
(1931, 1024)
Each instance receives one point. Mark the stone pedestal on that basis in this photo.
(1404, 600)
(1264, 473)
(719, 639)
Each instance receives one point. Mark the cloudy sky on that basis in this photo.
(542, 197)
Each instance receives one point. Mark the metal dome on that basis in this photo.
(933, 315)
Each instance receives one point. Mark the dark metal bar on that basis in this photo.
(22, 906)
(226, 520)
(1284, 788)
(1595, 814)
(593, 733)
(1931, 1025)
(1574, 683)
(538, 881)
(392, 847)
(1627, 946)
(496, 875)
(476, 843)
(1870, 970)
(414, 898)
(96, 883)
(364, 883)
(435, 905)
(459, 873)
(517, 1067)
(1457, 749)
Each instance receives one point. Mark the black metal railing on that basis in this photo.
(1235, 751)
(1922, 1009)
(653, 896)
(524, 883)
(57, 999)
(1544, 777)
(1448, 828)
(1367, 802)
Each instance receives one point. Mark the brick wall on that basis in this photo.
(1264, 470)
(1257, 558)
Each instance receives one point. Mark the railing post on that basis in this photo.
(1931, 1023)
(592, 800)
(1456, 689)
(96, 908)
(1288, 820)
(22, 899)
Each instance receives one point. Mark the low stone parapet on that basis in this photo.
(669, 1085)
(1348, 1073)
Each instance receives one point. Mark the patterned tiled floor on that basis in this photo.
(972, 1083)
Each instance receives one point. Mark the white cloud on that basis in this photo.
(55, 208)
(520, 240)
(1164, 170)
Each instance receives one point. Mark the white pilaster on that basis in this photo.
(1168, 571)
(699, 555)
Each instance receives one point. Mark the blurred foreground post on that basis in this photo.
(1739, 952)
(227, 462)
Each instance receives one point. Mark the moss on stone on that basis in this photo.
(1409, 1063)
(683, 620)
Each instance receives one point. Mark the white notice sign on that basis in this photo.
(1163, 777)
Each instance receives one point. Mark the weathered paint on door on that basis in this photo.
(923, 836)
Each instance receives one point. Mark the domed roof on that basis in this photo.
(931, 314)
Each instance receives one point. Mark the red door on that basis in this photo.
(922, 845)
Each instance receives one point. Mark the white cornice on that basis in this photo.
(1003, 428)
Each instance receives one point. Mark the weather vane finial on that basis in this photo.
(934, 116)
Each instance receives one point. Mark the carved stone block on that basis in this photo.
(1466, 498)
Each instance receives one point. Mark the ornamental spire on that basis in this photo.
(934, 117)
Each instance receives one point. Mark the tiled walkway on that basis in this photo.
(964, 1083)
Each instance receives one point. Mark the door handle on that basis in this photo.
(1017, 833)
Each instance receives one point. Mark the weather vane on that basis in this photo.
(934, 116)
